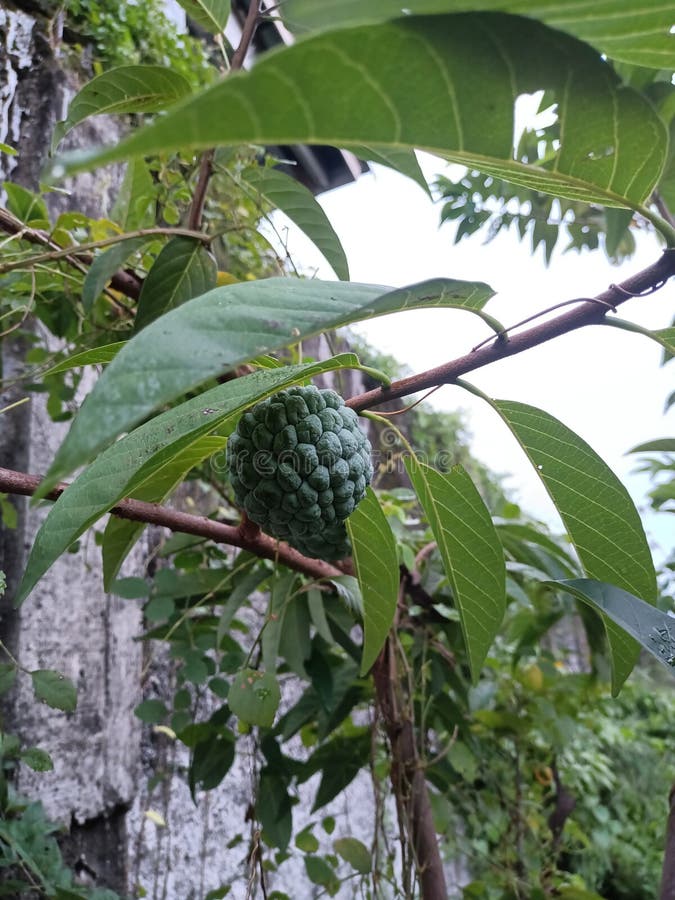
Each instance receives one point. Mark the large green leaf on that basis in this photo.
(227, 326)
(599, 515)
(623, 29)
(462, 76)
(471, 552)
(130, 462)
(184, 269)
(126, 89)
(211, 15)
(294, 199)
(652, 628)
(91, 357)
(120, 535)
(376, 564)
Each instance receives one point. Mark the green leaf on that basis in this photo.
(461, 71)
(601, 520)
(662, 445)
(319, 872)
(652, 628)
(663, 336)
(133, 206)
(38, 760)
(402, 161)
(227, 326)
(120, 535)
(376, 564)
(126, 89)
(184, 269)
(298, 203)
(353, 851)
(211, 761)
(271, 636)
(472, 554)
(25, 205)
(116, 471)
(7, 677)
(95, 356)
(104, 267)
(151, 712)
(211, 15)
(254, 697)
(624, 30)
(54, 689)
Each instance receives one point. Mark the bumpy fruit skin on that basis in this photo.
(299, 463)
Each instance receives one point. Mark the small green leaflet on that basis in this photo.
(354, 852)
(184, 269)
(298, 203)
(599, 515)
(130, 462)
(472, 554)
(54, 689)
(104, 267)
(461, 71)
(38, 760)
(254, 697)
(126, 89)
(223, 328)
(211, 15)
(652, 628)
(93, 357)
(633, 32)
(376, 564)
(402, 161)
(661, 445)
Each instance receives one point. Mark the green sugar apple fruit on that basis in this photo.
(299, 463)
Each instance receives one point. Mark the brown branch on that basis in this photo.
(245, 537)
(408, 780)
(206, 163)
(124, 281)
(589, 312)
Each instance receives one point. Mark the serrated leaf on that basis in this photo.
(211, 15)
(184, 269)
(652, 628)
(472, 554)
(225, 327)
(126, 89)
(38, 760)
(120, 535)
(299, 204)
(254, 697)
(104, 267)
(376, 564)
(613, 142)
(116, 471)
(599, 515)
(54, 689)
(355, 852)
(624, 30)
(93, 357)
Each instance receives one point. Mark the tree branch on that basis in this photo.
(589, 312)
(206, 162)
(245, 537)
(124, 281)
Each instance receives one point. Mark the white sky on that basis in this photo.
(605, 384)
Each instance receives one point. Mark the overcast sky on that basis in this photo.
(605, 384)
